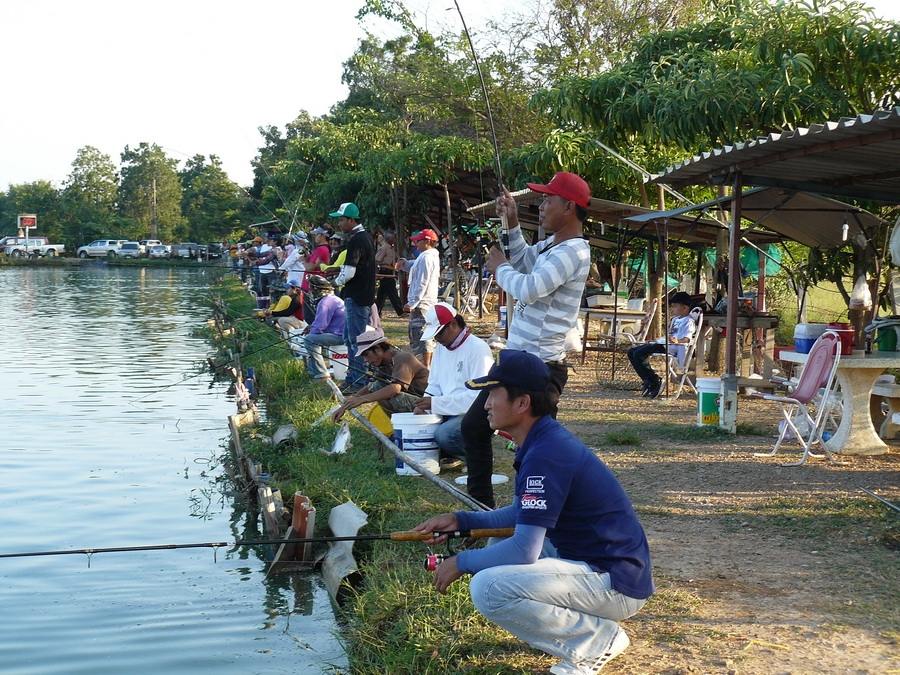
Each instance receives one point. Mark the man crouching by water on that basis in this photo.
(578, 561)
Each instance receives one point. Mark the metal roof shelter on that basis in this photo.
(853, 157)
(692, 231)
(803, 217)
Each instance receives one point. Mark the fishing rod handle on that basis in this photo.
(412, 535)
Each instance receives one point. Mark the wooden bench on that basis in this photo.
(889, 394)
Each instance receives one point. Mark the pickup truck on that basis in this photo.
(100, 248)
(19, 247)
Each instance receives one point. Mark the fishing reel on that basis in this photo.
(432, 560)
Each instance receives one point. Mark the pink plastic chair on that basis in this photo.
(816, 386)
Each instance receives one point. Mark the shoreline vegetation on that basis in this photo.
(395, 621)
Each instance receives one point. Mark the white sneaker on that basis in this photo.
(618, 645)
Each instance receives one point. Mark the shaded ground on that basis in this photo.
(760, 568)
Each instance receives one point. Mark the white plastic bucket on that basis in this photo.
(337, 356)
(415, 436)
(297, 344)
(709, 389)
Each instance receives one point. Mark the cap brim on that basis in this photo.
(431, 330)
(540, 187)
(483, 383)
(335, 214)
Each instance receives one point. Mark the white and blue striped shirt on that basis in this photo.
(547, 281)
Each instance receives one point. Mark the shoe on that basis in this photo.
(451, 463)
(652, 386)
(653, 392)
(618, 645)
(591, 666)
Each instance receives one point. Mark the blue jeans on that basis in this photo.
(315, 362)
(356, 318)
(562, 607)
(449, 437)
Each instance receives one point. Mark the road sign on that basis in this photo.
(27, 220)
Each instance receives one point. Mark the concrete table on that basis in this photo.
(856, 434)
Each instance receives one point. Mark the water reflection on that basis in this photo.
(97, 450)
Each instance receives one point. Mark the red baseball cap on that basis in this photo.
(569, 186)
(425, 234)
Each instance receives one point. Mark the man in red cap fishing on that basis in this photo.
(547, 281)
(578, 562)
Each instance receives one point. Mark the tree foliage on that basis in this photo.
(752, 68)
(89, 197)
(211, 203)
(150, 189)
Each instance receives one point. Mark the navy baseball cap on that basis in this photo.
(515, 369)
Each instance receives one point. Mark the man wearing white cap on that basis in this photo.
(424, 273)
(459, 356)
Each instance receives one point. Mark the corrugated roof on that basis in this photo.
(853, 157)
(807, 218)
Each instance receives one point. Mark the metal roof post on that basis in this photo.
(728, 404)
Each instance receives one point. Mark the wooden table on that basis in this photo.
(606, 315)
(856, 434)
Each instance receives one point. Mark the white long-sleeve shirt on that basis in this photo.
(293, 265)
(449, 372)
(424, 274)
(547, 281)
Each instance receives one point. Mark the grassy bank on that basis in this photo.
(396, 623)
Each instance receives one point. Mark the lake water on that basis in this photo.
(93, 453)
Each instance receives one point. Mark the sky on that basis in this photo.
(194, 76)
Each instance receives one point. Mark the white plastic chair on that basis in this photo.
(815, 386)
(678, 370)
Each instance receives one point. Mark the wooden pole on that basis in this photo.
(454, 258)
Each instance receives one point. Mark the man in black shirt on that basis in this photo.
(357, 276)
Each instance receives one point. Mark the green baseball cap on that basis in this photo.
(347, 210)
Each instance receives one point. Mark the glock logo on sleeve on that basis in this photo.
(534, 484)
(533, 502)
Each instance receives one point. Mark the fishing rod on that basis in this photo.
(404, 535)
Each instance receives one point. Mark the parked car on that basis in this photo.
(158, 251)
(147, 244)
(19, 247)
(215, 250)
(185, 250)
(100, 248)
(130, 249)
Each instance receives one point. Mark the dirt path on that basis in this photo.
(761, 568)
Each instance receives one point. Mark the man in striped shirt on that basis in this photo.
(547, 281)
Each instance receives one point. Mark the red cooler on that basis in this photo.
(845, 333)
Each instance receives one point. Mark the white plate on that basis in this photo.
(496, 479)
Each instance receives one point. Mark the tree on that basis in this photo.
(579, 38)
(752, 68)
(39, 197)
(150, 192)
(211, 203)
(89, 197)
